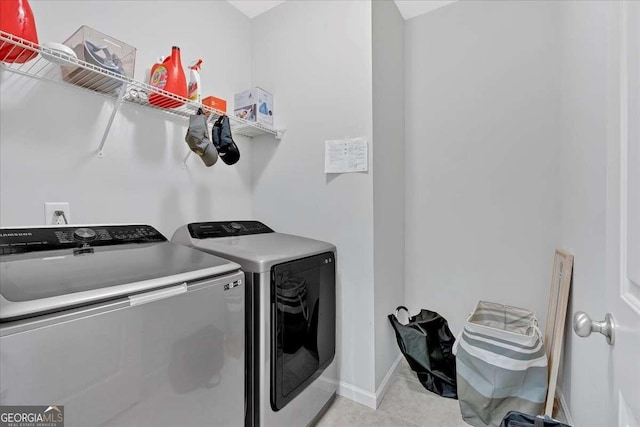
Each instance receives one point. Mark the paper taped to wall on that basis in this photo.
(346, 155)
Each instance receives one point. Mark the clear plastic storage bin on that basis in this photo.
(102, 51)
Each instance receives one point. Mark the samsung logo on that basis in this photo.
(15, 234)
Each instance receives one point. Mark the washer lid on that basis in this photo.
(38, 281)
(259, 252)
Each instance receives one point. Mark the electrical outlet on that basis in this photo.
(57, 213)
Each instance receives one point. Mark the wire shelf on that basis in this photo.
(52, 65)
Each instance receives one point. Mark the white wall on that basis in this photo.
(483, 153)
(388, 178)
(49, 133)
(583, 165)
(315, 56)
(482, 156)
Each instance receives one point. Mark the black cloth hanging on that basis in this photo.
(426, 342)
(518, 419)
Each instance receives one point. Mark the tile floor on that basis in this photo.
(406, 404)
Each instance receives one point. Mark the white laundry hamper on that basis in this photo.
(501, 364)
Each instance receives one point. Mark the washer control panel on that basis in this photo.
(22, 240)
(207, 230)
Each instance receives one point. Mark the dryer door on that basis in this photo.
(303, 319)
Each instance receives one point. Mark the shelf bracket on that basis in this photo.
(116, 107)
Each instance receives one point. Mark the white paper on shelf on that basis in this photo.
(346, 155)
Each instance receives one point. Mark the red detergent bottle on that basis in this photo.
(168, 75)
(16, 18)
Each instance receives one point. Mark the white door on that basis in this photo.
(623, 215)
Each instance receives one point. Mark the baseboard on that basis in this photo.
(386, 381)
(366, 398)
(357, 394)
(565, 407)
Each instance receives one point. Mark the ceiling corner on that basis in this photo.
(408, 8)
(253, 8)
(412, 8)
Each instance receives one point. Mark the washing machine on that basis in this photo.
(291, 317)
(113, 325)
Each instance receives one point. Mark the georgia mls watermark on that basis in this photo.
(32, 416)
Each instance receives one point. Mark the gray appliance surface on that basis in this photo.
(120, 327)
(172, 359)
(47, 269)
(305, 406)
(255, 253)
(258, 249)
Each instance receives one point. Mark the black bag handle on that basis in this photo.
(409, 324)
(401, 307)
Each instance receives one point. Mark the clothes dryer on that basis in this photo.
(291, 317)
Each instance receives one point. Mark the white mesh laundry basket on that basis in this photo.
(501, 364)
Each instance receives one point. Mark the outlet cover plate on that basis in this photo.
(50, 217)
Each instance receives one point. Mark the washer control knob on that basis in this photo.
(84, 234)
(236, 226)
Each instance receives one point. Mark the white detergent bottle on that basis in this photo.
(195, 92)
